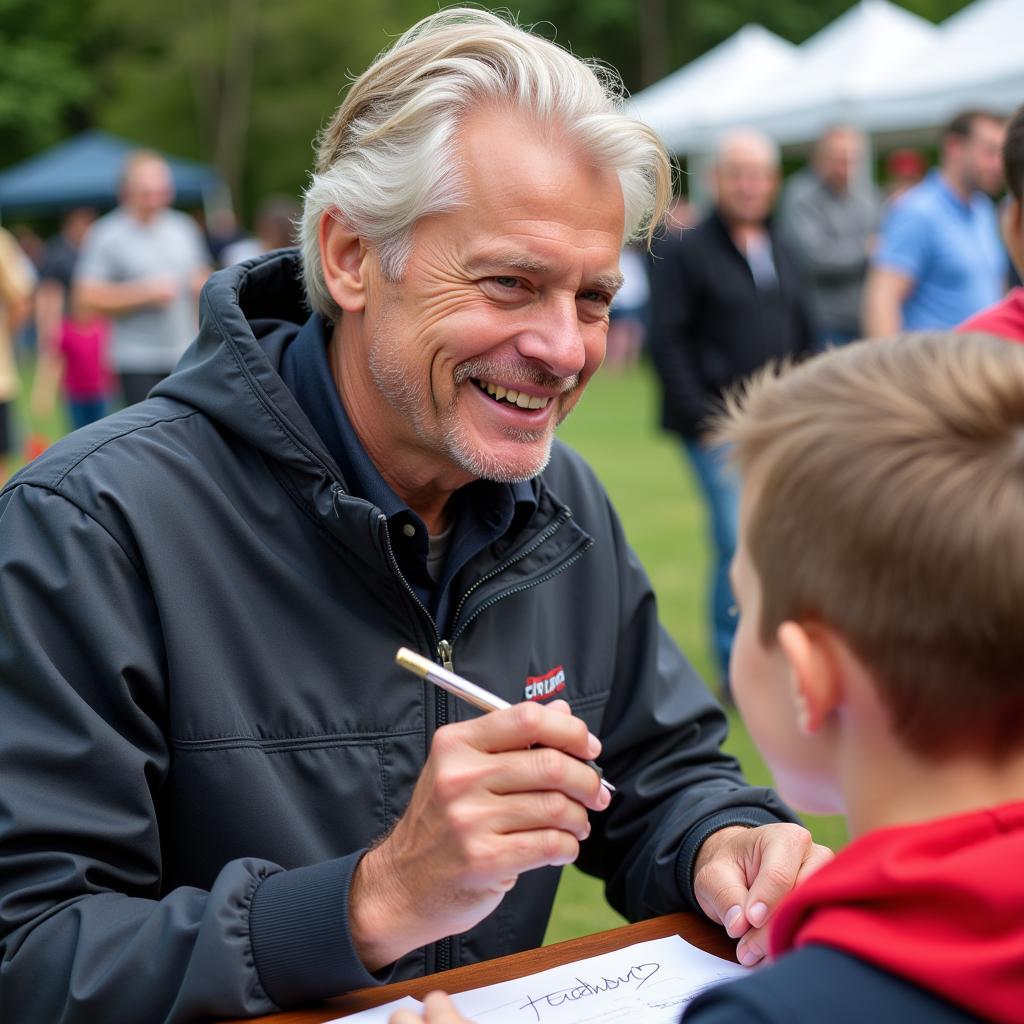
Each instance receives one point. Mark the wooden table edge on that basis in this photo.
(695, 928)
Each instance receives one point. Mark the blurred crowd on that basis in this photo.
(777, 272)
(106, 307)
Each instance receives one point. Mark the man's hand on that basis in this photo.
(499, 795)
(742, 873)
(437, 1009)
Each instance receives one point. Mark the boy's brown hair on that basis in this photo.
(889, 485)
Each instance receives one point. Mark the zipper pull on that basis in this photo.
(444, 652)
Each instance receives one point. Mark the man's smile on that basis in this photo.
(500, 393)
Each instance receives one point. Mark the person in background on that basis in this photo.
(877, 666)
(235, 799)
(53, 292)
(77, 363)
(939, 258)
(829, 216)
(16, 283)
(727, 298)
(276, 217)
(142, 265)
(903, 169)
(1006, 317)
(627, 321)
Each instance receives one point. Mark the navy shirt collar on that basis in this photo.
(484, 510)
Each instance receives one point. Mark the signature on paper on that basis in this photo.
(634, 976)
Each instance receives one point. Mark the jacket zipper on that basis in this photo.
(559, 520)
(444, 648)
(443, 947)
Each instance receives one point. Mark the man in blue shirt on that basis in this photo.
(939, 257)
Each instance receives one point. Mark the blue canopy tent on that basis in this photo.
(85, 171)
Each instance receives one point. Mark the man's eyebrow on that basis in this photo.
(611, 281)
(508, 261)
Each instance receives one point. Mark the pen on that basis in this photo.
(469, 692)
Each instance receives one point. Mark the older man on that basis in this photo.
(939, 259)
(221, 795)
(143, 265)
(726, 299)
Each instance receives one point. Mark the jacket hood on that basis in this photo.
(939, 904)
(247, 315)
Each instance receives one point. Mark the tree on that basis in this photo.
(46, 89)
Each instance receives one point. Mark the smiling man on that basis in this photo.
(221, 795)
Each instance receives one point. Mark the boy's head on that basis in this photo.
(882, 534)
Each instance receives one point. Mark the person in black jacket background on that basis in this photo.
(726, 298)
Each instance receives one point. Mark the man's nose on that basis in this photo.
(555, 339)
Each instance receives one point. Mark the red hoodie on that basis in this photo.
(940, 904)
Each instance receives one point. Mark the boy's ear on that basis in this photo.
(343, 256)
(815, 682)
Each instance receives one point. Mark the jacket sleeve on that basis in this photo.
(673, 345)
(661, 737)
(88, 931)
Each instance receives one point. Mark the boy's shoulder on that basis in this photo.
(817, 983)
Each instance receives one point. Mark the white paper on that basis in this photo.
(649, 981)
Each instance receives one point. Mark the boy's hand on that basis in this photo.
(437, 1009)
(742, 873)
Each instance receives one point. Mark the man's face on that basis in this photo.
(746, 181)
(982, 156)
(149, 188)
(837, 158)
(500, 318)
(762, 686)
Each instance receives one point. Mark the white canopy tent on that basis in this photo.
(837, 74)
(877, 66)
(976, 60)
(726, 76)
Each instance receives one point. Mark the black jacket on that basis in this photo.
(711, 325)
(202, 726)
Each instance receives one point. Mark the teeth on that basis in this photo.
(513, 397)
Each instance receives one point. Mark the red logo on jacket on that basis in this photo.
(547, 685)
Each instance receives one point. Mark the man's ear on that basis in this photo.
(343, 256)
(814, 678)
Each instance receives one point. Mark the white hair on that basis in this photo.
(749, 139)
(387, 157)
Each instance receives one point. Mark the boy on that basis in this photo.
(878, 665)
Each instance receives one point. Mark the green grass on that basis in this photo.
(650, 483)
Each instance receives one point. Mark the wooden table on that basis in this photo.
(692, 927)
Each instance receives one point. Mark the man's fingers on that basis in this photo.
(543, 769)
(528, 724)
(722, 893)
(743, 873)
(524, 812)
(783, 853)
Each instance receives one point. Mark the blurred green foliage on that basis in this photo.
(246, 84)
